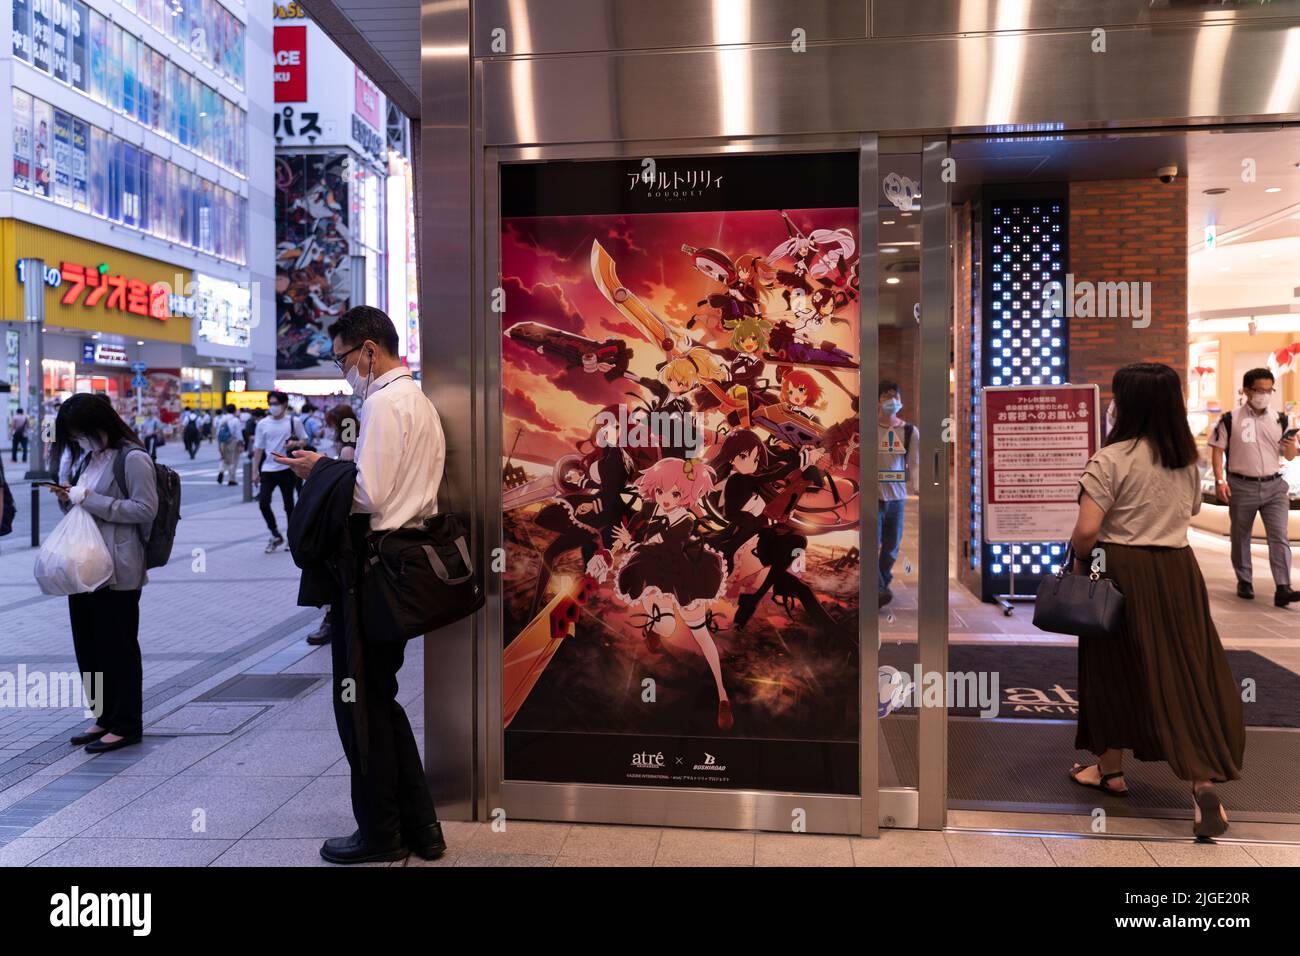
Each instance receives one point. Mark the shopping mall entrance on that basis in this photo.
(1173, 247)
(692, 213)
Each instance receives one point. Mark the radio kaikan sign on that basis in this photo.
(116, 292)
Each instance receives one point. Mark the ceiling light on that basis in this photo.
(887, 222)
(893, 280)
(889, 250)
(139, 341)
(1216, 191)
(1273, 189)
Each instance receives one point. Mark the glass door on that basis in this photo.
(906, 410)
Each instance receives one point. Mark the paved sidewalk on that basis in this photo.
(254, 775)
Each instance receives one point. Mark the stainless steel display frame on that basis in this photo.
(699, 807)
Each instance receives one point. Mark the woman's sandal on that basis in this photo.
(1211, 823)
(1100, 785)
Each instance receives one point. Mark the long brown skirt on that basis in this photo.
(1162, 686)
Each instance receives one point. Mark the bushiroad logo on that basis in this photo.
(75, 909)
(710, 764)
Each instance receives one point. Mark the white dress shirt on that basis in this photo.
(400, 454)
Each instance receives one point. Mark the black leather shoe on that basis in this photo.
(104, 746)
(321, 635)
(1284, 596)
(426, 843)
(884, 597)
(87, 737)
(1246, 590)
(352, 849)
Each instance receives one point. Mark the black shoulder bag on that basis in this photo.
(1084, 604)
(416, 580)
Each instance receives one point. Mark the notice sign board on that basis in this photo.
(1036, 441)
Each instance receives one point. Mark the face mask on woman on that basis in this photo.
(89, 443)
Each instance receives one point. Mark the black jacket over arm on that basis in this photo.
(321, 539)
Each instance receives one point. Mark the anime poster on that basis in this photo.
(80, 149)
(62, 158)
(680, 495)
(42, 129)
(22, 140)
(313, 271)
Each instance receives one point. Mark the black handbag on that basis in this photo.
(416, 580)
(1086, 605)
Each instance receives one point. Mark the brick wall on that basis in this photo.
(1129, 230)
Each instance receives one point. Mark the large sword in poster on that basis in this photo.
(649, 323)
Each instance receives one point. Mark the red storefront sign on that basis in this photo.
(290, 64)
(367, 105)
(117, 292)
(1037, 439)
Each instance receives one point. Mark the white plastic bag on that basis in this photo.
(74, 559)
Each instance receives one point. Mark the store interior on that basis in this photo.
(1219, 240)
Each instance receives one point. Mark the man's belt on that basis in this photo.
(1240, 477)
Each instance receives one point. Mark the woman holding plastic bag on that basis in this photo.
(106, 621)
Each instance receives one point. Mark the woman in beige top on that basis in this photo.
(1161, 687)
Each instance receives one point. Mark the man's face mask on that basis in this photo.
(360, 383)
(276, 409)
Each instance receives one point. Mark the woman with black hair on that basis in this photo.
(106, 622)
(1161, 686)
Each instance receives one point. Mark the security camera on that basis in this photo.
(1167, 174)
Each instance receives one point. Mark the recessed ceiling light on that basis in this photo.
(1273, 189)
(887, 222)
(893, 280)
(889, 250)
(1216, 191)
(139, 341)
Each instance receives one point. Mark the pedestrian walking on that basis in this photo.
(1161, 686)
(276, 435)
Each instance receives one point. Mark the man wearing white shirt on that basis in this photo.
(399, 462)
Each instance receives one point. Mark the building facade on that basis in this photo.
(344, 203)
(141, 177)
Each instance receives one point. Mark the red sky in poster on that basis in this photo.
(546, 275)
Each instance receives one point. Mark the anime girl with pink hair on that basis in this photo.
(666, 569)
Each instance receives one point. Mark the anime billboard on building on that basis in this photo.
(680, 492)
(313, 271)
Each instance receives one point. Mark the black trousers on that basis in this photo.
(20, 441)
(392, 795)
(106, 637)
(287, 482)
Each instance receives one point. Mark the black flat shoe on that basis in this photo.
(352, 849)
(1284, 596)
(1246, 590)
(104, 746)
(426, 843)
(87, 737)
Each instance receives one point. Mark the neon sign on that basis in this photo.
(117, 292)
